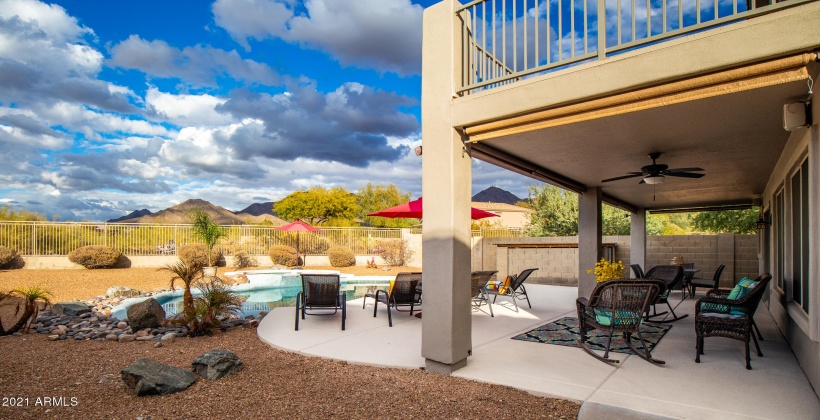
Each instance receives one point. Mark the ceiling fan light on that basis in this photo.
(654, 179)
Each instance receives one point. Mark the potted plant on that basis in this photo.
(208, 232)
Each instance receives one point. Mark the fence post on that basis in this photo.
(602, 29)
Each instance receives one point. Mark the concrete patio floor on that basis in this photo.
(718, 388)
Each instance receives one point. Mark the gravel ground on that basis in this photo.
(85, 284)
(273, 384)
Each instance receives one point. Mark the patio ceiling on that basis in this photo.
(736, 137)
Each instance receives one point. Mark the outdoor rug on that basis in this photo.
(565, 332)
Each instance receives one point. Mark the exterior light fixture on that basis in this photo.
(417, 150)
(654, 179)
(762, 222)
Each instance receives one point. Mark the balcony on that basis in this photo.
(504, 41)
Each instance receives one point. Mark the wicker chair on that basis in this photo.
(638, 271)
(712, 283)
(671, 276)
(718, 316)
(320, 293)
(618, 306)
(478, 281)
(406, 291)
(516, 290)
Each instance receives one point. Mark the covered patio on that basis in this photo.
(717, 388)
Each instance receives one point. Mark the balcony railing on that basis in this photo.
(507, 40)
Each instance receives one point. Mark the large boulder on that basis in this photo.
(150, 377)
(215, 364)
(70, 308)
(145, 314)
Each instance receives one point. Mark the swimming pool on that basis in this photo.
(265, 290)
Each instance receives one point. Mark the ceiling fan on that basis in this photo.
(655, 173)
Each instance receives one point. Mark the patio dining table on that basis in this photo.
(688, 273)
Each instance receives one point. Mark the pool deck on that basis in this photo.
(718, 388)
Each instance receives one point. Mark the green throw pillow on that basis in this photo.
(623, 318)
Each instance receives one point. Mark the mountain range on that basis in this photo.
(180, 214)
(257, 212)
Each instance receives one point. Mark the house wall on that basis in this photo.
(798, 327)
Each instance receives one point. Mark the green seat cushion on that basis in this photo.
(741, 290)
(622, 318)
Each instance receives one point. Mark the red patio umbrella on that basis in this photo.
(412, 210)
(298, 226)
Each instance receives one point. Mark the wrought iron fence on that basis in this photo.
(506, 40)
(56, 238)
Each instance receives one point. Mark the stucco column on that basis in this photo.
(637, 240)
(446, 339)
(589, 238)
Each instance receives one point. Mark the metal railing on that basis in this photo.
(507, 40)
(60, 238)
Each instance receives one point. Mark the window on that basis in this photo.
(800, 235)
(779, 217)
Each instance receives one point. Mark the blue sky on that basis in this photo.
(108, 107)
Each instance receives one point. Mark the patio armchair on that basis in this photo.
(730, 313)
(618, 306)
(404, 291)
(478, 282)
(638, 271)
(515, 291)
(671, 276)
(712, 283)
(320, 294)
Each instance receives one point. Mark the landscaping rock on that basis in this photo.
(122, 325)
(145, 314)
(170, 337)
(111, 337)
(124, 338)
(70, 308)
(150, 377)
(121, 292)
(53, 337)
(215, 364)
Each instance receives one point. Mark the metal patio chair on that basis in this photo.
(320, 294)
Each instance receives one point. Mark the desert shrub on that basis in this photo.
(284, 255)
(341, 256)
(396, 252)
(243, 260)
(7, 256)
(95, 256)
(196, 255)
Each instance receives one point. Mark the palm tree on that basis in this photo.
(206, 230)
(32, 298)
(216, 299)
(186, 273)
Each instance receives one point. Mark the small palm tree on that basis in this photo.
(205, 229)
(216, 299)
(33, 299)
(186, 273)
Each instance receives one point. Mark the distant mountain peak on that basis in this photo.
(133, 215)
(496, 195)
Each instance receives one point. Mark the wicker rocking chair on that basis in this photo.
(718, 316)
(320, 292)
(671, 276)
(618, 306)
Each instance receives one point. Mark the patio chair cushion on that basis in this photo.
(499, 285)
(505, 285)
(604, 317)
(319, 294)
(741, 289)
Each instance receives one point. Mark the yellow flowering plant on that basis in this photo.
(606, 270)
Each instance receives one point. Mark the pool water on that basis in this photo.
(266, 289)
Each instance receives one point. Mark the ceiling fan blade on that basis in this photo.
(686, 175)
(671, 171)
(632, 175)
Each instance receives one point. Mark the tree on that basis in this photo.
(727, 221)
(317, 205)
(614, 221)
(207, 230)
(372, 198)
(7, 213)
(555, 211)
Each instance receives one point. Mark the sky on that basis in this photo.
(109, 107)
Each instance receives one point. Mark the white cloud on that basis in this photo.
(380, 34)
(187, 110)
(198, 65)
